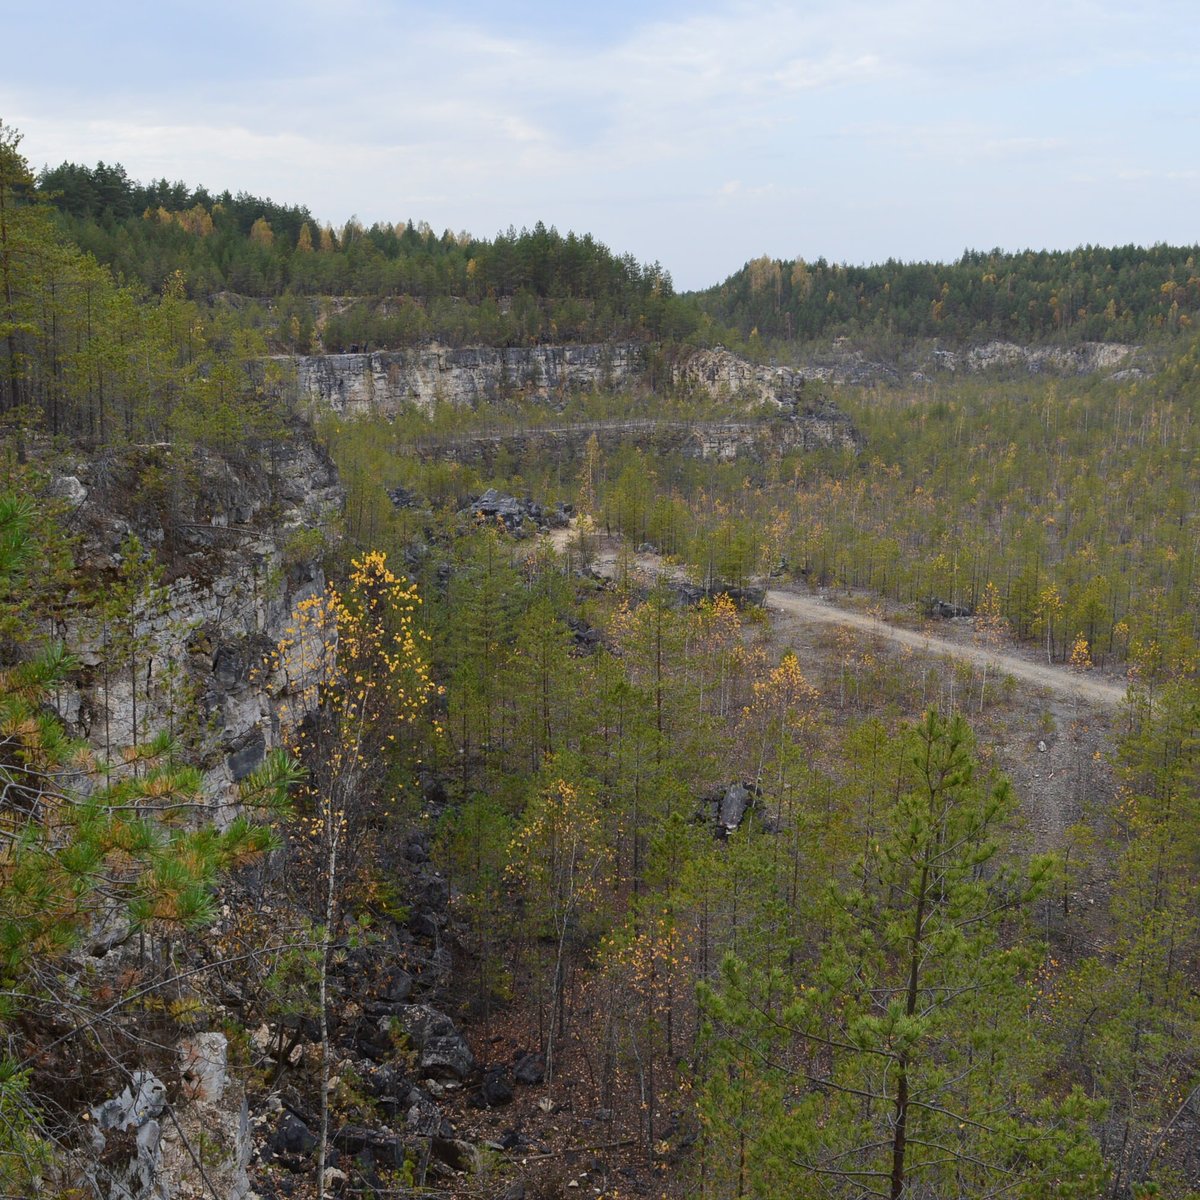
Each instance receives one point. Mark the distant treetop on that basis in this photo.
(410, 284)
(1091, 293)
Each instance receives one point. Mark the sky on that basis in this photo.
(698, 134)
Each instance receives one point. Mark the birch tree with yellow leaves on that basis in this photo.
(561, 861)
(357, 667)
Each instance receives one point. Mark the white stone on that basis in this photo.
(203, 1064)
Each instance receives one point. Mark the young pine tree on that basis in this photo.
(900, 1063)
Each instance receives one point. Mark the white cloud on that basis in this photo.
(808, 120)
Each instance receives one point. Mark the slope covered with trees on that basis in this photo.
(536, 284)
(86, 357)
(866, 986)
(1118, 294)
(752, 917)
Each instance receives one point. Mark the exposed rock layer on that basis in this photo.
(241, 541)
(823, 425)
(387, 380)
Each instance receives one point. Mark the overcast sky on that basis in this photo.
(697, 133)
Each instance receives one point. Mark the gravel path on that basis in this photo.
(1061, 681)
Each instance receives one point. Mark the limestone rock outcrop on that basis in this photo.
(385, 381)
(241, 539)
(126, 1137)
(1086, 358)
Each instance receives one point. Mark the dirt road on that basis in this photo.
(1054, 749)
(1061, 682)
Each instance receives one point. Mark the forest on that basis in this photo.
(692, 901)
(519, 287)
(411, 284)
(1096, 293)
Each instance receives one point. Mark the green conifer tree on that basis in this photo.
(899, 1063)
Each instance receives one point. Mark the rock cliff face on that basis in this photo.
(819, 424)
(719, 374)
(242, 540)
(1087, 358)
(385, 381)
(843, 364)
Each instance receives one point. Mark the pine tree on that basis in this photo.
(899, 1064)
(1130, 1016)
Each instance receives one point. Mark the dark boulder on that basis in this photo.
(688, 595)
(374, 1146)
(402, 497)
(734, 804)
(433, 791)
(517, 516)
(425, 924)
(492, 507)
(371, 1039)
(459, 1155)
(587, 638)
(434, 889)
(442, 1051)
(387, 1085)
(423, 1118)
(497, 1087)
(399, 986)
(530, 1069)
(291, 1138)
(945, 610)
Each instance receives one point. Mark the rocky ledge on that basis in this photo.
(386, 381)
(241, 539)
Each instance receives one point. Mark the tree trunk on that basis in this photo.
(333, 824)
